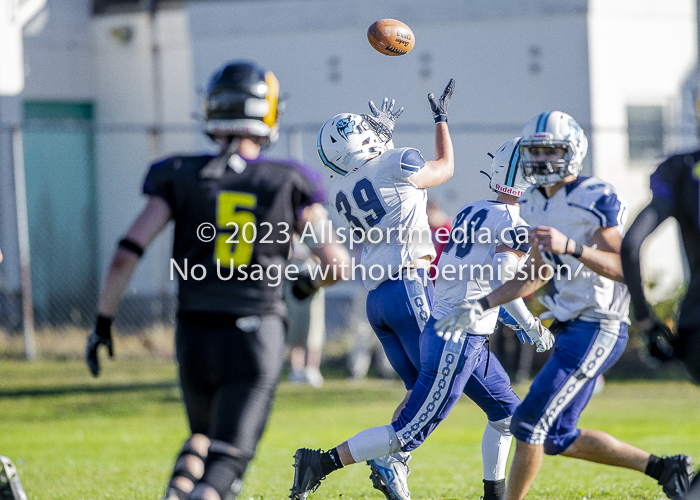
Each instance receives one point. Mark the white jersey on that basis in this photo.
(466, 261)
(578, 210)
(379, 200)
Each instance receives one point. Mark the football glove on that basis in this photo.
(304, 286)
(548, 302)
(509, 321)
(660, 341)
(541, 336)
(383, 120)
(101, 335)
(439, 106)
(461, 317)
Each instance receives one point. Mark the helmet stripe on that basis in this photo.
(273, 90)
(513, 166)
(542, 122)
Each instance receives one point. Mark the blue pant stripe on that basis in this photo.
(438, 395)
(601, 348)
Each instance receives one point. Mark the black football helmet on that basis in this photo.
(242, 99)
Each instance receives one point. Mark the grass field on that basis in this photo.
(74, 437)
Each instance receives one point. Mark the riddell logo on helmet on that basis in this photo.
(509, 190)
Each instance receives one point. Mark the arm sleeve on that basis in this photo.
(505, 267)
(646, 222)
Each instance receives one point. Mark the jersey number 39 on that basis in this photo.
(367, 201)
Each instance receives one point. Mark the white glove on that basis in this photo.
(541, 336)
(548, 302)
(461, 317)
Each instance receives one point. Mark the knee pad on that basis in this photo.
(223, 471)
(554, 445)
(189, 466)
(502, 426)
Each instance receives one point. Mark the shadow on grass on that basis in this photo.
(88, 389)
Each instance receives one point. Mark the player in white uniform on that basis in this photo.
(381, 195)
(577, 228)
(446, 372)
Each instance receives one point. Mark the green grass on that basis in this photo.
(74, 437)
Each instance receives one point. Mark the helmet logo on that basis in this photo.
(346, 126)
(575, 130)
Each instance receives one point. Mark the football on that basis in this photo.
(391, 37)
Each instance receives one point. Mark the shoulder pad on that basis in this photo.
(310, 174)
(600, 198)
(410, 159)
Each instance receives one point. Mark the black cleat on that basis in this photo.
(675, 478)
(307, 473)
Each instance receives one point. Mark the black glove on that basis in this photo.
(304, 286)
(101, 335)
(439, 106)
(660, 341)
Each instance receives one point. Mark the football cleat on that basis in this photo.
(390, 475)
(675, 478)
(10, 486)
(307, 473)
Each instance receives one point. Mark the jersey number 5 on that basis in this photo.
(367, 201)
(234, 248)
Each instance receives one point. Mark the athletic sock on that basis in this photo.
(330, 461)
(494, 490)
(655, 467)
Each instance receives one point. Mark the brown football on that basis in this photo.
(391, 37)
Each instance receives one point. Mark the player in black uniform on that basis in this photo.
(676, 187)
(676, 193)
(234, 215)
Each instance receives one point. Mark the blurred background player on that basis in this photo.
(675, 194)
(446, 371)
(440, 226)
(230, 332)
(381, 196)
(307, 323)
(576, 222)
(675, 188)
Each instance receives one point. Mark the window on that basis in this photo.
(645, 132)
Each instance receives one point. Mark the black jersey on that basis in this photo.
(677, 180)
(248, 210)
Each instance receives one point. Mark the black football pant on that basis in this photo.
(689, 351)
(229, 369)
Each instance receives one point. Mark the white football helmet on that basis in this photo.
(553, 129)
(347, 141)
(506, 171)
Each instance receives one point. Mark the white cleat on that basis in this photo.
(390, 475)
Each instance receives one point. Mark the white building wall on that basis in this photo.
(126, 108)
(641, 53)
